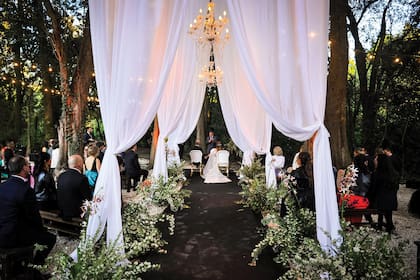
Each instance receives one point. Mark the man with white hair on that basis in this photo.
(72, 188)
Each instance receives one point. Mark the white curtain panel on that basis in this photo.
(134, 44)
(183, 96)
(246, 120)
(282, 46)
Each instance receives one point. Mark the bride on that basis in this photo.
(211, 172)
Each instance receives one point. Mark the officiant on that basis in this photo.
(211, 140)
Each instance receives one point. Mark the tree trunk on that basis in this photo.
(202, 124)
(74, 94)
(335, 115)
(155, 137)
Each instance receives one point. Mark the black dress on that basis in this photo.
(305, 190)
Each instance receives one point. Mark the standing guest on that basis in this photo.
(20, 222)
(8, 153)
(88, 137)
(278, 160)
(72, 188)
(386, 187)
(132, 168)
(45, 190)
(55, 157)
(395, 161)
(102, 147)
(92, 165)
(305, 183)
(51, 144)
(211, 140)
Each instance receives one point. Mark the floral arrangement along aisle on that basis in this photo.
(140, 214)
(290, 232)
(146, 209)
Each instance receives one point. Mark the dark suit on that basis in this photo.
(20, 221)
(212, 144)
(72, 189)
(132, 168)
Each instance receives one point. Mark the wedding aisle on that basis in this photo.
(213, 239)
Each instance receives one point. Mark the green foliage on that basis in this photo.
(96, 260)
(166, 193)
(141, 234)
(364, 254)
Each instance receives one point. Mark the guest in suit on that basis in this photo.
(20, 222)
(88, 137)
(72, 188)
(132, 168)
(211, 140)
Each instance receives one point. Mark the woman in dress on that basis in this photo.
(211, 172)
(92, 165)
(45, 190)
(305, 182)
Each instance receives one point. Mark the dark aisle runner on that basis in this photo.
(213, 239)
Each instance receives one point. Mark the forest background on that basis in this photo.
(47, 85)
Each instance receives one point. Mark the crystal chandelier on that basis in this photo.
(207, 30)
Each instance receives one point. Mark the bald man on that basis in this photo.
(72, 188)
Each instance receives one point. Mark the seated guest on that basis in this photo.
(363, 176)
(20, 222)
(45, 190)
(132, 168)
(72, 189)
(92, 165)
(197, 146)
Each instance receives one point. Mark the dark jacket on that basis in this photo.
(72, 189)
(45, 187)
(132, 165)
(20, 221)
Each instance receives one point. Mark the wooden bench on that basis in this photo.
(54, 222)
(351, 212)
(11, 256)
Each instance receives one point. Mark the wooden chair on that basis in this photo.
(223, 160)
(196, 158)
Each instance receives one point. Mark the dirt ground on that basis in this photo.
(407, 228)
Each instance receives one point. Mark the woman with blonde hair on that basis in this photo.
(92, 165)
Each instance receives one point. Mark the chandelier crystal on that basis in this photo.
(211, 31)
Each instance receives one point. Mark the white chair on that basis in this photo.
(223, 160)
(196, 157)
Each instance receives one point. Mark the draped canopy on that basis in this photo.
(275, 68)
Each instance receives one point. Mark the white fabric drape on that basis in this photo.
(283, 49)
(246, 120)
(183, 97)
(134, 44)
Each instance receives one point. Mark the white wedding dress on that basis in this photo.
(211, 172)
